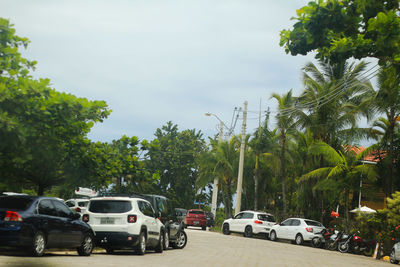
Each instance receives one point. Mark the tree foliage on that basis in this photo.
(340, 29)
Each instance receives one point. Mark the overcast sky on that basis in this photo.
(159, 61)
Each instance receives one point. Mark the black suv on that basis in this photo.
(37, 223)
(176, 236)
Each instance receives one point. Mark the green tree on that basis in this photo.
(340, 29)
(39, 126)
(172, 155)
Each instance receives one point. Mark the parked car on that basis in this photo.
(37, 223)
(296, 229)
(78, 204)
(171, 217)
(395, 254)
(125, 223)
(196, 217)
(248, 223)
(210, 219)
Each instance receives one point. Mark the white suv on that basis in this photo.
(249, 222)
(125, 223)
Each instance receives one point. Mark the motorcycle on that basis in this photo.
(320, 239)
(356, 244)
(332, 242)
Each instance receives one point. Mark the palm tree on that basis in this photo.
(285, 127)
(332, 101)
(222, 162)
(387, 102)
(342, 175)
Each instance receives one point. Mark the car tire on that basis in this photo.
(166, 240)
(248, 231)
(272, 236)
(203, 228)
(38, 244)
(160, 246)
(225, 229)
(181, 240)
(392, 257)
(299, 239)
(86, 247)
(140, 248)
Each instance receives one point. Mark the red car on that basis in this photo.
(197, 218)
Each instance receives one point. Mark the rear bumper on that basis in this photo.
(261, 229)
(116, 240)
(15, 235)
(195, 222)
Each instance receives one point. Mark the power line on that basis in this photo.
(340, 88)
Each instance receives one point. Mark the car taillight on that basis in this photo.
(132, 218)
(85, 218)
(309, 229)
(258, 222)
(12, 216)
(77, 209)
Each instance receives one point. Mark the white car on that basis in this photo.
(296, 229)
(395, 254)
(125, 223)
(249, 222)
(77, 204)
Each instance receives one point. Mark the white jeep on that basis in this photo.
(125, 223)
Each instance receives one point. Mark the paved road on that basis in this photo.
(203, 249)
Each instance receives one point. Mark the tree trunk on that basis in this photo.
(40, 190)
(256, 175)
(390, 184)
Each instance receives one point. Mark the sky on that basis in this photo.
(155, 61)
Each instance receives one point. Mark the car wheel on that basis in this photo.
(299, 239)
(109, 250)
(225, 229)
(39, 244)
(166, 240)
(393, 257)
(141, 246)
(248, 231)
(272, 236)
(203, 228)
(87, 246)
(160, 246)
(181, 240)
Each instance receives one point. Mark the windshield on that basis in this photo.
(110, 206)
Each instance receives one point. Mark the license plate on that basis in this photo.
(196, 222)
(106, 220)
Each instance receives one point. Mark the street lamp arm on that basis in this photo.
(208, 114)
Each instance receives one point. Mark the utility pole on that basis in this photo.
(215, 187)
(241, 161)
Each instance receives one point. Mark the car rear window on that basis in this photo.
(83, 203)
(110, 206)
(266, 218)
(313, 223)
(15, 203)
(197, 212)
